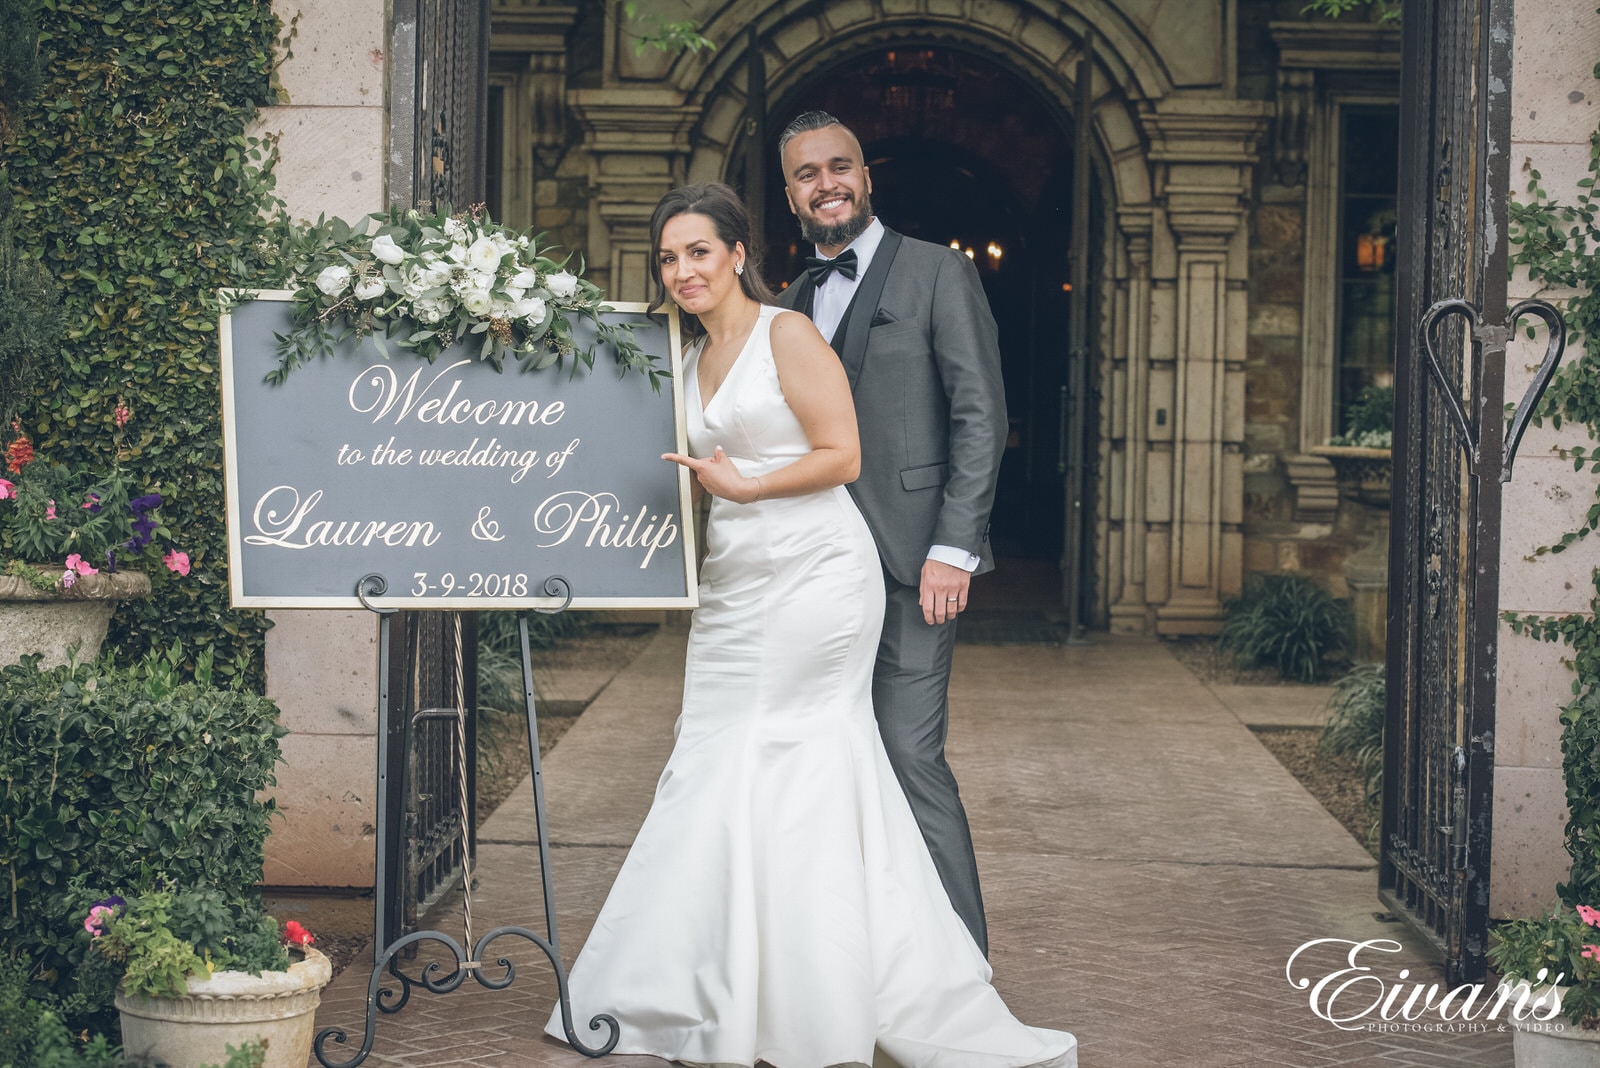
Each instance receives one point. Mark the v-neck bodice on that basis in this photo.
(747, 414)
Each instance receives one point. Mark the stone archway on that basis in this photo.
(1174, 163)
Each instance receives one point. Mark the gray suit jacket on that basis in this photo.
(923, 359)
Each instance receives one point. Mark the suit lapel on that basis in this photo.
(857, 321)
(800, 295)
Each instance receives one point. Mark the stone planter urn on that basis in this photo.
(1558, 1043)
(1365, 477)
(53, 622)
(228, 1009)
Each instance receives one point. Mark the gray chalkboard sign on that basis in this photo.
(462, 486)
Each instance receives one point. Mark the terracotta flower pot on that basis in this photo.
(52, 622)
(228, 1009)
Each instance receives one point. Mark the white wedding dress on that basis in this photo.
(778, 903)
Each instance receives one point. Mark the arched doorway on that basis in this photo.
(964, 152)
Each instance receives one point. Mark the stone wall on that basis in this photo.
(322, 665)
(1554, 113)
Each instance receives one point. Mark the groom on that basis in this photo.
(912, 327)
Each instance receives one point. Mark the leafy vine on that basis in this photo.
(1557, 244)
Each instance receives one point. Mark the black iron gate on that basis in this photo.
(1452, 452)
(438, 94)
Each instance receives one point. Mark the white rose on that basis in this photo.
(529, 308)
(561, 285)
(526, 278)
(386, 250)
(334, 280)
(484, 255)
(477, 301)
(369, 289)
(435, 273)
(454, 226)
(431, 309)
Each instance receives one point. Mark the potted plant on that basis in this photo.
(1556, 955)
(71, 541)
(203, 969)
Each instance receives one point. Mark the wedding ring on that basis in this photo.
(952, 598)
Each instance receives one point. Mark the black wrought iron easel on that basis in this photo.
(385, 1000)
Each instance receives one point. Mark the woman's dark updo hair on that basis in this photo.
(731, 220)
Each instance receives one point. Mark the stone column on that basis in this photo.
(1203, 151)
(322, 665)
(1130, 444)
(529, 58)
(637, 140)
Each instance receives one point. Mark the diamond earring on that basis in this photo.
(738, 269)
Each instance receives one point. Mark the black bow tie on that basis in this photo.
(819, 269)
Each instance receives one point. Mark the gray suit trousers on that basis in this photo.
(910, 687)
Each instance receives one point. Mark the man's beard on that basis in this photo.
(840, 233)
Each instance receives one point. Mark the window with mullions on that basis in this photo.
(1369, 175)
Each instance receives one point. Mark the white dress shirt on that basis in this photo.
(828, 305)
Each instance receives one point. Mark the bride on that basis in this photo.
(779, 904)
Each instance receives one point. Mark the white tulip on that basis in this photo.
(386, 250)
(369, 289)
(526, 278)
(561, 285)
(334, 280)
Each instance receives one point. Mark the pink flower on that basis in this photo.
(121, 414)
(98, 917)
(1589, 916)
(50, 512)
(177, 561)
(7, 489)
(69, 578)
(1592, 952)
(80, 565)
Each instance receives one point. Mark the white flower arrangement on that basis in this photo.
(425, 282)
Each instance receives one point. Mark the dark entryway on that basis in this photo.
(963, 152)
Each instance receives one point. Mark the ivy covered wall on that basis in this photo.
(135, 182)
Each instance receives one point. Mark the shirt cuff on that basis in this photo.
(955, 557)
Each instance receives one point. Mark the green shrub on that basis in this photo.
(32, 1031)
(136, 186)
(1357, 712)
(1580, 766)
(500, 654)
(122, 779)
(1286, 622)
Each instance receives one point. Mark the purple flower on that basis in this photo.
(111, 559)
(140, 505)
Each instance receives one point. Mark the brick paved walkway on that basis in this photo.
(1147, 865)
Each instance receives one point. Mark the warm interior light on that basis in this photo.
(1066, 287)
(970, 256)
(1370, 251)
(995, 252)
(956, 245)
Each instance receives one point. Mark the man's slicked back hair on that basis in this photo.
(805, 123)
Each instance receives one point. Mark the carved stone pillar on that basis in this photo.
(1130, 444)
(637, 140)
(528, 59)
(1203, 151)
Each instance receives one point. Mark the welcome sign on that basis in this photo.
(462, 486)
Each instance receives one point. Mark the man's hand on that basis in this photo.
(943, 591)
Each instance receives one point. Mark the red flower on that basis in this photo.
(295, 935)
(19, 454)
